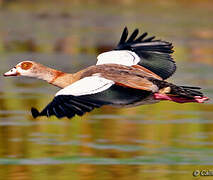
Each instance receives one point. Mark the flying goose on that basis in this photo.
(132, 74)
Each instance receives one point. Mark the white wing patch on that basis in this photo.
(123, 57)
(88, 85)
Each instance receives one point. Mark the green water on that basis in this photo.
(161, 141)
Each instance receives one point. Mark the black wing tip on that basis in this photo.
(139, 38)
(68, 106)
(156, 53)
(124, 36)
(35, 112)
(127, 40)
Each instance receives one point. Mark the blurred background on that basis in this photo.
(161, 141)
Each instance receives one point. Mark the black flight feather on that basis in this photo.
(69, 106)
(133, 36)
(139, 39)
(155, 54)
(124, 36)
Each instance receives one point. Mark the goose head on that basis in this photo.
(35, 70)
(24, 68)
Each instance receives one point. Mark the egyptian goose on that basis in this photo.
(132, 74)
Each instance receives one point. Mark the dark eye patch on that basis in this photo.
(26, 65)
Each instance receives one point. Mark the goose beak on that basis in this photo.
(12, 72)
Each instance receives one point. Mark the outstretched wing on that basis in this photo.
(152, 54)
(74, 98)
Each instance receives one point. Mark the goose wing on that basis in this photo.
(75, 98)
(148, 52)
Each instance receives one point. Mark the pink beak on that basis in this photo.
(12, 72)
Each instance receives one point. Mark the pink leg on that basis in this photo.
(197, 99)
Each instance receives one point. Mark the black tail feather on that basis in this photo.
(186, 91)
(191, 92)
(190, 87)
(181, 91)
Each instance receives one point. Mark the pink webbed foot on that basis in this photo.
(197, 99)
(200, 99)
